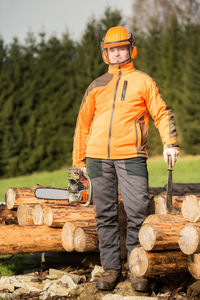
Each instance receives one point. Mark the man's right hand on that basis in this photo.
(173, 153)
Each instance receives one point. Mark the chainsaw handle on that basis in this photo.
(90, 190)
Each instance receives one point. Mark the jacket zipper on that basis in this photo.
(113, 109)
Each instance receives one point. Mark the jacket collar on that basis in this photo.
(125, 69)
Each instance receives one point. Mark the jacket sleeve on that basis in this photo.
(162, 116)
(82, 129)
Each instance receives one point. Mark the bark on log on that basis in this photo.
(191, 208)
(193, 263)
(57, 216)
(29, 214)
(86, 239)
(7, 216)
(28, 239)
(164, 219)
(142, 263)
(189, 238)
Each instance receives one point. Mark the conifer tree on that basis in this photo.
(188, 111)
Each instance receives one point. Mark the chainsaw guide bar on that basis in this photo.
(51, 193)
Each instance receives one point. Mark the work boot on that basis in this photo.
(108, 280)
(139, 284)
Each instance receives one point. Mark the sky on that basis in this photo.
(54, 17)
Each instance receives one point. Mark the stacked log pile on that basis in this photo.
(170, 241)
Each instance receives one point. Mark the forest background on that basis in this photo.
(42, 83)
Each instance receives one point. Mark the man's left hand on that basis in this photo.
(173, 153)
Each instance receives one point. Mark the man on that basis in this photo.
(111, 136)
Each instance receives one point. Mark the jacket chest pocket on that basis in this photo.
(124, 89)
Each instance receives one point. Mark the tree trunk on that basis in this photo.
(189, 238)
(7, 216)
(160, 232)
(86, 239)
(29, 239)
(159, 237)
(57, 216)
(144, 263)
(194, 265)
(191, 208)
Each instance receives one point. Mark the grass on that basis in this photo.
(186, 170)
(17, 264)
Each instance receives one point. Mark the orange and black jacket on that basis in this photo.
(113, 118)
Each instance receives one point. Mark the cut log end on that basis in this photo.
(79, 240)
(67, 236)
(37, 213)
(138, 262)
(22, 215)
(191, 208)
(160, 205)
(147, 237)
(194, 265)
(10, 198)
(188, 239)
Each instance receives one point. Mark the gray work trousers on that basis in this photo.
(132, 176)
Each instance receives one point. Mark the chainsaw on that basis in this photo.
(78, 192)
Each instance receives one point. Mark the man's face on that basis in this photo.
(118, 54)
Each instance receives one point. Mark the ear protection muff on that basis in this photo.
(133, 48)
(104, 52)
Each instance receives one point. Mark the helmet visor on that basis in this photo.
(116, 43)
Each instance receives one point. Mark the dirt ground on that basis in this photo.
(178, 286)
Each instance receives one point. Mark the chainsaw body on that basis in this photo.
(79, 187)
(78, 192)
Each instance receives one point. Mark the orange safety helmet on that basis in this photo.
(118, 36)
